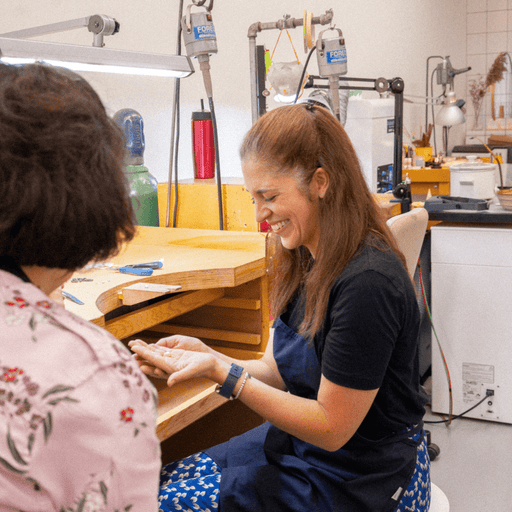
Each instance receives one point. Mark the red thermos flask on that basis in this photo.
(203, 148)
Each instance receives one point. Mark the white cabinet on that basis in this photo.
(472, 316)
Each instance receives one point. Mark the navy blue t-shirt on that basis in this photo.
(370, 339)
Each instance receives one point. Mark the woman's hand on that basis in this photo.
(176, 364)
(172, 342)
(184, 343)
(149, 369)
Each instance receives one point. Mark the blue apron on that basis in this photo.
(267, 469)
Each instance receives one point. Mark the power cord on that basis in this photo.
(448, 377)
(177, 145)
(488, 393)
(301, 81)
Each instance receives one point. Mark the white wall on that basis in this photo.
(383, 39)
(489, 32)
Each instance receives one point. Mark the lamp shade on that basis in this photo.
(450, 114)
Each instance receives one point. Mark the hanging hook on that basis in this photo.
(200, 3)
(286, 17)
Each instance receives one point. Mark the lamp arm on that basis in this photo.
(100, 25)
(429, 100)
(426, 87)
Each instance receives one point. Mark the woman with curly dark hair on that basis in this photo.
(339, 383)
(77, 416)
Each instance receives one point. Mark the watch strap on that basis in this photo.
(226, 390)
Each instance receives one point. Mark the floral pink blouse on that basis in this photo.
(77, 417)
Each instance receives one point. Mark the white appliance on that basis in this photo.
(473, 180)
(471, 312)
(370, 125)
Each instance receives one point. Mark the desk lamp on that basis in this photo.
(450, 114)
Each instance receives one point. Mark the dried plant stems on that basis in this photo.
(478, 88)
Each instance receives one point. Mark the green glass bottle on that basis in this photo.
(143, 185)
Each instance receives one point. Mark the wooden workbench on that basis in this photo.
(223, 300)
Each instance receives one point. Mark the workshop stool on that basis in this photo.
(438, 500)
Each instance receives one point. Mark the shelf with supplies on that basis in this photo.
(222, 297)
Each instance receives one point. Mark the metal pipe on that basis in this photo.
(254, 78)
(256, 27)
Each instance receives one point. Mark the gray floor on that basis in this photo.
(474, 468)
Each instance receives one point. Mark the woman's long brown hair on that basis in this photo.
(296, 140)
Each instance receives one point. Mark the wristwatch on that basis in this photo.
(226, 390)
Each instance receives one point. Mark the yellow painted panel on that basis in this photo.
(198, 206)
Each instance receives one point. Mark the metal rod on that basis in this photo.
(397, 88)
(346, 79)
(52, 28)
(173, 127)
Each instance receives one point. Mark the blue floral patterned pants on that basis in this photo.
(192, 484)
(416, 498)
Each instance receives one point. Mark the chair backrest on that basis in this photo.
(438, 500)
(409, 231)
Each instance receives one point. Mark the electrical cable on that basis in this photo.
(432, 107)
(461, 414)
(304, 73)
(447, 371)
(177, 145)
(204, 66)
(175, 127)
(217, 162)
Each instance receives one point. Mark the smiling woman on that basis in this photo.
(339, 382)
(280, 201)
(305, 144)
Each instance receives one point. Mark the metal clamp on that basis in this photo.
(101, 25)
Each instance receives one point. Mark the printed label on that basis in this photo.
(337, 56)
(474, 377)
(204, 32)
(390, 126)
(480, 373)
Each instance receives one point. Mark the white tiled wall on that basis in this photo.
(489, 32)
